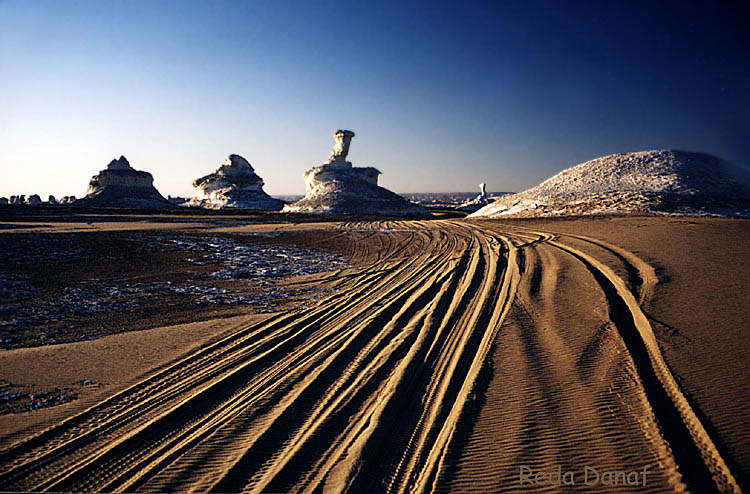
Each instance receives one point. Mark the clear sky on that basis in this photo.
(441, 96)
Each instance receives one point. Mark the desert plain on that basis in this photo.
(583, 354)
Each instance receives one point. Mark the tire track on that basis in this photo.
(372, 389)
(335, 368)
(56, 443)
(700, 461)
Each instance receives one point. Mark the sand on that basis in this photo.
(451, 356)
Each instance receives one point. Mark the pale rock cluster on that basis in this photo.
(665, 181)
(35, 200)
(338, 187)
(334, 187)
(662, 181)
(233, 185)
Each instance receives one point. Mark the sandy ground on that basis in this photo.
(698, 310)
(99, 368)
(450, 356)
(62, 286)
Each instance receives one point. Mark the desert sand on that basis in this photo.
(448, 356)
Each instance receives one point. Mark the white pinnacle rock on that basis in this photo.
(340, 150)
(338, 187)
(478, 202)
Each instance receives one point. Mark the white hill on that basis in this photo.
(665, 181)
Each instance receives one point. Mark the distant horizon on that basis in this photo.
(301, 193)
(441, 97)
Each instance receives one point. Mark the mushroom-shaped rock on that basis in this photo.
(233, 185)
(340, 188)
(120, 185)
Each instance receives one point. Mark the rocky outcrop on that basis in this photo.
(177, 201)
(662, 181)
(338, 187)
(233, 185)
(34, 200)
(478, 202)
(120, 185)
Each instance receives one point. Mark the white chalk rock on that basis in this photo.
(478, 202)
(233, 185)
(340, 188)
(120, 185)
(663, 181)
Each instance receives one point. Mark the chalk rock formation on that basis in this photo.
(119, 185)
(664, 181)
(177, 201)
(68, 200)
(343, 139)
(4, 200)
(478, 202)
(34, 200)
(338, 187)
(233, 185)
(18, 199)
(51, 200)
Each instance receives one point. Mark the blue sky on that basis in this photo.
(442, 96)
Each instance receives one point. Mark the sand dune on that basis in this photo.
(453, 355)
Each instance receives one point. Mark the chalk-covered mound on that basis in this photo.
(338, 187)
(119, 185)
(648, 181)
(233, 185)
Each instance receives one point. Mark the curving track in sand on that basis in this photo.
(455, 353)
